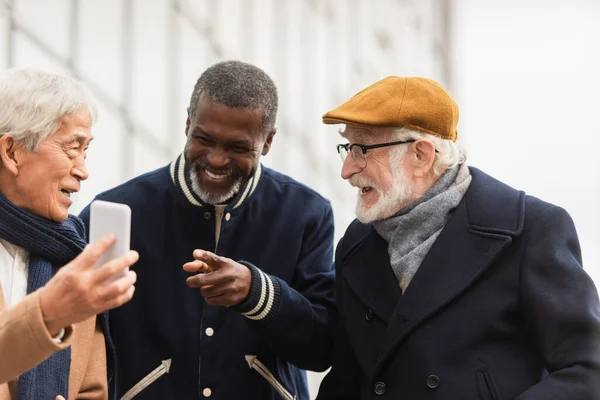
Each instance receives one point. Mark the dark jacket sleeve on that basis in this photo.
(343, 381)
(295, 318)
(560, 308)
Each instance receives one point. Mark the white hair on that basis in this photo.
(34, 102)
(448, 155)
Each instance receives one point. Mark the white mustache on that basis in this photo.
(360, 181)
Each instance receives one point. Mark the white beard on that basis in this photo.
(212, 198)
(389, 201)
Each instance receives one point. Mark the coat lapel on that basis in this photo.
(464, 249)
(370, 276)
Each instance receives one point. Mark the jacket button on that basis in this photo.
(433, 381)
(379, 388)
(369, 315)
(207, 215)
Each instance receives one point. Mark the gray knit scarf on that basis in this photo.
(411, 232)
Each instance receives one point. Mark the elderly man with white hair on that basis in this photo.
(450, 284)
(52, 345)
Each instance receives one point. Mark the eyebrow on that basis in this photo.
(80, 137)
(359, 135)
(197, 129)
(247, 143)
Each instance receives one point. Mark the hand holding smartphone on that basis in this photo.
(106, 218)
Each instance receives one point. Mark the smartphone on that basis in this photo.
(106, 218)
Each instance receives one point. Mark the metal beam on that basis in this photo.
(173, 72)
(73, 34)
(127, 90)
(112, 104)
(10, 34)
(202, 28)
(447, 42)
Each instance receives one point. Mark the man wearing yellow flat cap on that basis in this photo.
(450, 284)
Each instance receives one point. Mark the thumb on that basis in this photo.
(93, 251)
(59, 397)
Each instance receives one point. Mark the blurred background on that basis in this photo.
(525, 74)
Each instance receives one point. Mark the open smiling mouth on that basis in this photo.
(67, 192)
(217, 177)
(365, 189)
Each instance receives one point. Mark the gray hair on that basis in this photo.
(34, 102)
(237, 84)
(448, 155)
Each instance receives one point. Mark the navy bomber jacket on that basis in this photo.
(282, 230)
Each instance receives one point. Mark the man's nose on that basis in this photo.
(218, 158)
(80, 170)
(350, 167)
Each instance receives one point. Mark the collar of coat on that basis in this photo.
(180, 175)
(491, 207)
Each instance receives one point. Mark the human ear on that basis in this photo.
(187, 125)
(10, 153)
(269, 141)
(424, 157)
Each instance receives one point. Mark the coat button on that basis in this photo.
(379, 388)
(369, 315)
(433, 381)
(207, 215)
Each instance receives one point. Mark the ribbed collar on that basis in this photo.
(180, 174)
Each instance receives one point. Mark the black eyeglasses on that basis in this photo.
(359, 151)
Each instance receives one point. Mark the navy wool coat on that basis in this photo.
(500, 308)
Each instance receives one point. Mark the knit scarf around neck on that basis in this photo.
(411, 232)
(51, 245)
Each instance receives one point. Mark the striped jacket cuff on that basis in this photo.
(264, 297)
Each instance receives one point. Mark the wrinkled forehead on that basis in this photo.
(362, 133)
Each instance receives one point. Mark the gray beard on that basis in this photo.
(211, 198)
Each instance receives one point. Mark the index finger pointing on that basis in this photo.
(211, 259)
(196, 266)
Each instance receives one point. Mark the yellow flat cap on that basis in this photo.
(416, 103)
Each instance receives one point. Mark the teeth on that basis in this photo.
(215, 176)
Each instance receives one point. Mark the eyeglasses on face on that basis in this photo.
(359, 151)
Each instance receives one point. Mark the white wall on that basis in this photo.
(527, 81)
